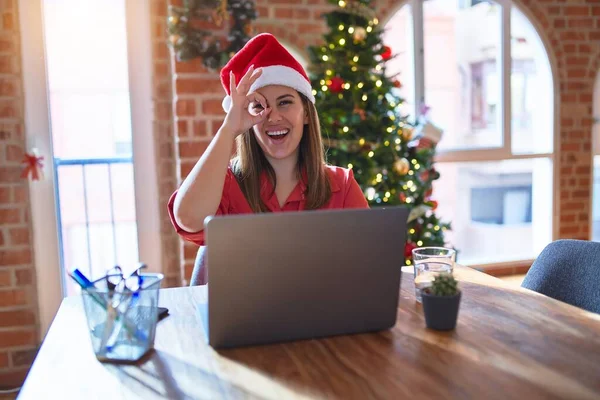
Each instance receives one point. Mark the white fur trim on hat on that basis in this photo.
(278, 75)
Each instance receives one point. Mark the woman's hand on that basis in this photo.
(246, 109)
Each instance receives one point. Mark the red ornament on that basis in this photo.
(434, 204)
(33, 166)
(425, 175)
(336, 85)
(429, 193)
(402, 197)
(397, 84)
(408, 248)
(386, 53)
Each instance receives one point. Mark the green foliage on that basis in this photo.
(362, 125)
(444, 285)
(190, 29)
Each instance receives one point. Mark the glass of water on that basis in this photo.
(430, 262)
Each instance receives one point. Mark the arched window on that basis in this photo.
(484, 72)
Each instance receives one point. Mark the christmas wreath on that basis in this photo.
(190, 39)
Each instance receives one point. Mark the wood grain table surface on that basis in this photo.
(509, 343)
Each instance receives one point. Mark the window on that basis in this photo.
(487, 80)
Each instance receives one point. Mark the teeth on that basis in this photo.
(277, 133)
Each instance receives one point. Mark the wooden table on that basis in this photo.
(509, 343)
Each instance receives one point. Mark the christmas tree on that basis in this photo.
(363, 129)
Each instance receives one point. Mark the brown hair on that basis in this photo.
(251, 162)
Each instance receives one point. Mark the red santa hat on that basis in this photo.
(278, 65)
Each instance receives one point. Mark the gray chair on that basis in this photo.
(200, 272)
(568, 270)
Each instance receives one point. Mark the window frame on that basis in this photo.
(503, 152)
(50, 279)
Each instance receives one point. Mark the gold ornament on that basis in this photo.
(173, 19)
(359, 34)
(401, 166)
(407, 134)
(220, 13)
(174, 39)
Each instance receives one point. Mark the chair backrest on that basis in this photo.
(568, 270)
(200, 272)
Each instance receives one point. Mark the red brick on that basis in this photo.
(585, 48)
(570, 147)
(569, 230)
(581, 23)
(594, 35)
(567, 218)
(284, 13)
(554, 10)
(15, 257)
(163, 111)
(186, 168)
(8, 21)
(17, 318)
(212, 107)
(1, 238)
(585, 98)
(3, 360)
(182, 127)
(576, 73)
(8, 87)
(14, 153)
(581, 194)
(311, 28)
(13, 378)
(570, 48)
(583, 217)
(193, 65)
(8, 64)
(192, 149)
(7, 45)
(20, 194)
(263, 12)
(199, 129)
(301, 13)
(19, 236)
(596, 10)
(24, 276)
(572, 11)
(10, 215)
(5, 278)
(185, 108)
(12, 297)
(198, 85)
(9, 108)
(583, 170)
(578, 61)
(560, 23)
(4, 195)
(161, 51)
(573, 205)
(161, 68)
(23, 357)
(566, 121)
(572, 35)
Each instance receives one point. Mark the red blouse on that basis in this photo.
(345, 193)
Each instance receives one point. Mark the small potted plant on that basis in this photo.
(441, 302)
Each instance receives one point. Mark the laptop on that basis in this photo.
(281, 277)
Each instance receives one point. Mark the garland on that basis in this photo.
(190, 35)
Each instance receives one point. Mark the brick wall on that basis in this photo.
(18, 302)
(572, 29)
(163, 134)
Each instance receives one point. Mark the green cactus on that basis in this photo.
(444, 285)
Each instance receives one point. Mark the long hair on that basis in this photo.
(250, 162)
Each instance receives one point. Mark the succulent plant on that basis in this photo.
(444, 285)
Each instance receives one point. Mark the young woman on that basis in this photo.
(280, 164)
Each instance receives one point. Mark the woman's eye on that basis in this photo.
(257, 106)
(285, 102)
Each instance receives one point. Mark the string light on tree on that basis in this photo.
(363, 127)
